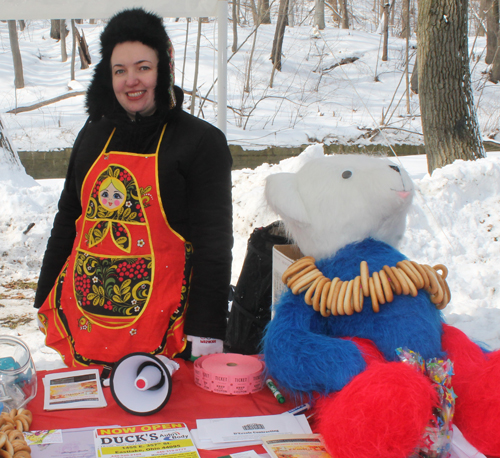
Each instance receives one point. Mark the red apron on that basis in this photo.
(125, 285)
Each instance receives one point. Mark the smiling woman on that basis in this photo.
(139, 258)
(134, 67)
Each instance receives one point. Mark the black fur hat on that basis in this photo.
(131, 25)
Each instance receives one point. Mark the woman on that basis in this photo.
(139, 256)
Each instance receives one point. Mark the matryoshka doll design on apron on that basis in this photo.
(125, 286)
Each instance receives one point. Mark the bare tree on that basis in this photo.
(345, 14)
(16, 55)
(8, 154)
(235, 25)
(55, 29)
(385, 46)
(196, 67)
(405, 18)
(494, 74)
(481, 18)
(264, 12)
(83, 49)
(491, 30)
(279, 34)
(188, 20)
(291, 14)
(64, 53)
(22, 24)
(319, 14)
(73, 49)
(449, 121)
(334, 6)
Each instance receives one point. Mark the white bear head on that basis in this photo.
(337, 200)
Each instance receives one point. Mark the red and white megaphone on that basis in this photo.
(141, 384)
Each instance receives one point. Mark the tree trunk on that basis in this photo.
(235, 26)
(345, 14)
(16, 55)
(481, 31)
(22, 24)
(55, 29)
(414, 78)
(494, 74)
(250, 60)
(64, 53)
(196, 67)
(279, 34)
(73, 49)
(449, 121)
(255, 14)
(335, 11)
(385, 46)
(291, 14)
(264, 12)
(319, 14)
(491, 30)
(7, 153)
(83, 49)
(185, 52)
(405, 18)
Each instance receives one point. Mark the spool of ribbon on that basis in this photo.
(229, 373)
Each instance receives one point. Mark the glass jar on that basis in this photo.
(18, 381)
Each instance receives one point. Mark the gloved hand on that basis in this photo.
(201, 346)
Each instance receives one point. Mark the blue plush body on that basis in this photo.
(305, 352)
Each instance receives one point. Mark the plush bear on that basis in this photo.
(343, 210)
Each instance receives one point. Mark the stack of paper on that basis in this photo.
(219, 433)
(73, 390)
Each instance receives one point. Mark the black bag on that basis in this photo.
(251, 308)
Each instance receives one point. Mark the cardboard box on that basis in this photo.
(283, 256)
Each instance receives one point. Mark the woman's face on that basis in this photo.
(134, 68)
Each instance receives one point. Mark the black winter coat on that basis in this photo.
(195, 185)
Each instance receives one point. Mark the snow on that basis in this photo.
(454, 220)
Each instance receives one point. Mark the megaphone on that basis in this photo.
(141, 384)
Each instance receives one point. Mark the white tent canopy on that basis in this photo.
(101, 9)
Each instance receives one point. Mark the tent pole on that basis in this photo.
(222, 66)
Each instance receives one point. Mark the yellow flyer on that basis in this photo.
(172, 440)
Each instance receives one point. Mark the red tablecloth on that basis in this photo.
(187, 403)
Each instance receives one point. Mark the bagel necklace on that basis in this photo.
(337, 297)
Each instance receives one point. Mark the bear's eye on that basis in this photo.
(346, 174)
(394, 167)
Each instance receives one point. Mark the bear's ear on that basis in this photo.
(283, 196)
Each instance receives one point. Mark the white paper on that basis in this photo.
(461, 448)
(219, 433)
(207, 444)
(76, 443)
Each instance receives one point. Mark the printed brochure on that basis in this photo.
(295, 446)
(73, 390)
